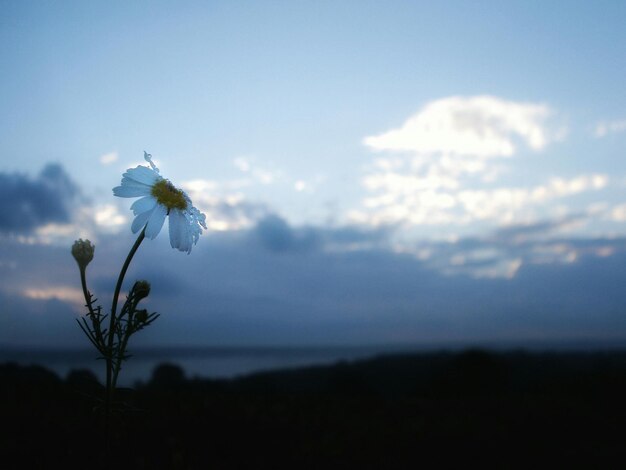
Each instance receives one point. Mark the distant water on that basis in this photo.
(230, 362)
(196, 362)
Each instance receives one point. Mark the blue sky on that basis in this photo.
(372, 172)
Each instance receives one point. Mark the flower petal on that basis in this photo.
(141, 220)
(176, 222)
(142, 174)
(131, 183)
(131, 191)
(144, 204)
(155, 223)
(185, 238)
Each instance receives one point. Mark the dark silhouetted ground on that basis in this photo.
(475, 408)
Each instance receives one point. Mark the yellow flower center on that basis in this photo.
(167, 195)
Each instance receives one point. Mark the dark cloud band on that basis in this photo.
(27, 203)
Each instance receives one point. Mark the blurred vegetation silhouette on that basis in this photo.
(506, 410)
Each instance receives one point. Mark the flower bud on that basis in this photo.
(82, 251)
(141, 315)
(141, 290)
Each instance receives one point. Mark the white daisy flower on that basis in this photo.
(159, 199)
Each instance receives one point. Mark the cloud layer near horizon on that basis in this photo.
(276, 284)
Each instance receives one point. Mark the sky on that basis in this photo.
(394, 172)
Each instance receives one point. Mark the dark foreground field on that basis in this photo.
(474, 408)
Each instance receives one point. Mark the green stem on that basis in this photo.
(118, 362)
(127, 309)
(120, 279)
(83, 281)
(96, 337)
(111, 335)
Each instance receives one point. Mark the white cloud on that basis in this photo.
(242, 164)
(258, 174)
(480, 126)
(501, 253)
(502, 204)
(108, 216)
(618, 213)
(53, 231)
(70, 295)
(225, 208)
(448, 172)
(503, 268)
(109, 158)
(300, 186)
(423, 201)
(611, 127)
(88, 221)
(266, 174)
(200, 185)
